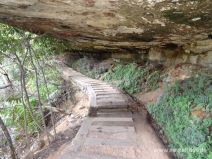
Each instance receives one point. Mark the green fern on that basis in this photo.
(132, 78)
(13, 115)
(173, 112)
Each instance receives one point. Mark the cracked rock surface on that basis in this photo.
(114, 25)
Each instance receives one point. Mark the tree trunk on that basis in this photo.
(25, 107)
(8, 138)
(38, 91)
(26, 96)
(46, 85)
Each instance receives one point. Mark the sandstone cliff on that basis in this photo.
(163, 29)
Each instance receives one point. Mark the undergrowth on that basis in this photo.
(13, 110)
(133, 78)
(53, 78)
(85, 66)
(13, 114)
(130, 77)
(184, 114)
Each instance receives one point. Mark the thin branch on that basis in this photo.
(21, 68)
(9, 82)
(8, 137)
(46, 85)
(38, 91)
(8, 56)
(4, 87)
(25, 108)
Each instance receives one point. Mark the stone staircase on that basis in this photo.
(107, 136)
(102, 96)
(110, 131)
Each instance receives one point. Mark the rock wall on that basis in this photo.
(199, 52)
(168, 28)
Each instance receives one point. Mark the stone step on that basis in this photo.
(111, 136)
(99, 84)
(106, 91)
(109, 90)
(94, 156)
(112, 129)
(98, 108)
(80, 78)
(112, 119)
(88, 82)
(89, 125)
(119, 114)
(102, 87)
(86, 155)
(116, 110)
(111, 104)
(98, 142)
(111, 133)
(108, 95)
(111, 98)
(111, 147)
(113, 123)
(98, 94)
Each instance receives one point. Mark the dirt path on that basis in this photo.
(112, 132)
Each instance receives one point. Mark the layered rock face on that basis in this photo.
(198, 52)
(153, 26)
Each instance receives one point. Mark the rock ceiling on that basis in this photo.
(113, 24)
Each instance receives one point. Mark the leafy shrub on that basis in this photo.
(90, 67)
(133, 78)
(85, 66)
(53, 78)
(13, 115)
(129, 77)
(173, 112)
(14, 43)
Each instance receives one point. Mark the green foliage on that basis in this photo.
(13, 39)
(13, 115)
(53, 78)
(174, 110)
(152, 80)
(47, 45)
(25, 45)
(86, 67)
(133, 78)
(129, 77)
(10, 39)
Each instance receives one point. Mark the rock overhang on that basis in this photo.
(113, 24)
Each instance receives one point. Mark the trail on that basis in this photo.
(111, 131)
